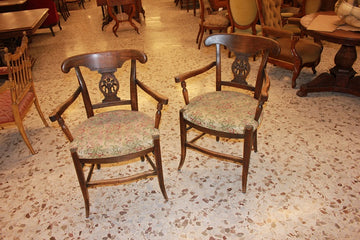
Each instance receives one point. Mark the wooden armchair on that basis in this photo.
(111, 136)
(130, 13)
(234, 113)
(210, 21)
(296, 52)
(17, 95)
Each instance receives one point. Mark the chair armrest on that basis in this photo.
(184, 76)
(263, 96)
(56, 114)
(157, 96)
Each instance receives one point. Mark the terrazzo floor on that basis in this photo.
(304, 181)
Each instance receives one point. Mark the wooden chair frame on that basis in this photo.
(21, 87)
(106, 63)
(131, 13)
(243, 46)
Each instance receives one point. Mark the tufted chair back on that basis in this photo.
(296, 52)
(271, 13)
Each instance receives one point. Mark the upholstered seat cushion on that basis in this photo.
(306, 48)
(223, 111)
(114, 133)
(216, 20)
(6, 112)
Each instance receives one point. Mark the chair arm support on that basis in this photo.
(263, 96)
(56, 114)
(157, 96)
(184, 76)
(294, 40)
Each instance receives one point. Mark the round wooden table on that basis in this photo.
(340, 78)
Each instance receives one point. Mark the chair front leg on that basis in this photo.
(182, 140)
(159, 171)
(248, 142)
(82, 181)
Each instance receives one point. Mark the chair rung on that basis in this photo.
(219, 155)
(122, 180)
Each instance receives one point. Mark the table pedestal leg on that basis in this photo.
(339, 79)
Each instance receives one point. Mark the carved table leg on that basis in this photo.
(341, 77)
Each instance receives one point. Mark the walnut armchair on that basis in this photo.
(111, 136)
(296, 52)
(17, 94)
(243, 96)
(130, 13)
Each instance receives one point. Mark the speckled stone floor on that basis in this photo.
(304, 182)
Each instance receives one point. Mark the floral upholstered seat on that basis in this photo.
(223, 111)
(112, 134)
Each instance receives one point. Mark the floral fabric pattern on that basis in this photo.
(114, 133)
(223, 111)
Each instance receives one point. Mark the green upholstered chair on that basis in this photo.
(243, 16)
(234, 112)
(296, 52)
(210, 20)
(111, 133)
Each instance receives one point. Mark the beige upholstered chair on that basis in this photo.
(210, 20)
(112, 136)
(235, 111)
(296, 52)
(17, 95)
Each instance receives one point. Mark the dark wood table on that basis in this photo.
(340, 78)
(12, 5)
(13, 24)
